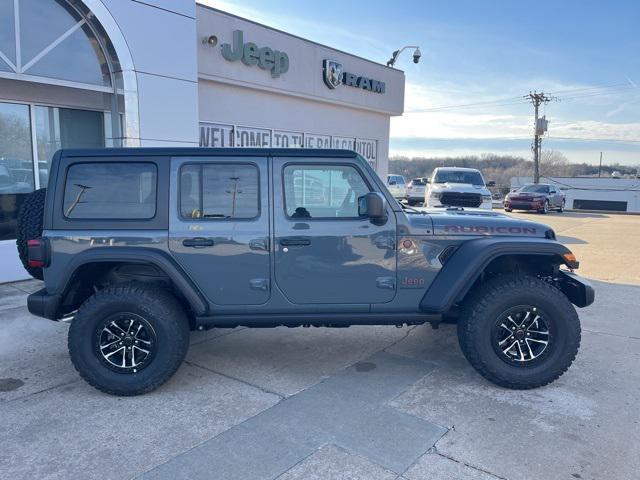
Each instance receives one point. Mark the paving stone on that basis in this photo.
(12, 297)
(434, 466)
(75, 431)
(288, 360)
(334, 463)
(348, 409)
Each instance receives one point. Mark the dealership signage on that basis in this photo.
(334, 76)
(266, 58)
(219, 135)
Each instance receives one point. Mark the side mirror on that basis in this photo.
(374, 206)
(491, 184)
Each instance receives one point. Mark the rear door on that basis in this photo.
(324, 252)
(219, 226)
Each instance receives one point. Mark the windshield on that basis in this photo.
(458, 176)
(535, 188)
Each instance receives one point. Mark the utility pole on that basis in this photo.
(539, 128)
(600, 167)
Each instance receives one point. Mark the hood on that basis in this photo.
(476, 222)
(459, 187)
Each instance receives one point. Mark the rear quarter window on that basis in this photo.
(110, 190)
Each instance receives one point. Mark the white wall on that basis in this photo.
(160, 35)
(298, 100)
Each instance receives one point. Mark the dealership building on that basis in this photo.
(152, 73)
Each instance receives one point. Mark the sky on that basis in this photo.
(479, 58)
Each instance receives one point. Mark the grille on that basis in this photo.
(452, 199)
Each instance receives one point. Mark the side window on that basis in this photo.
(110, 190)
(219, 191)
(322, 191)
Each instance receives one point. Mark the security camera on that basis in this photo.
(211, 40)
(416, 55)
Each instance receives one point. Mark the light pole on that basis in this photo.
(394, 56)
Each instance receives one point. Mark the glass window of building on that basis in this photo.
(58, 128)
(16, 164)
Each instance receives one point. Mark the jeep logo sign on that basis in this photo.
(265, 57)
(334, 76)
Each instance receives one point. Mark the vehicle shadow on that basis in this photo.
(571, 240)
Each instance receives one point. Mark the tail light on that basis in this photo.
(38, 252)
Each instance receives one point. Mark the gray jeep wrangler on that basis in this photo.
(139, 246)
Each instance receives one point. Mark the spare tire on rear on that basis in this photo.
(30, 227)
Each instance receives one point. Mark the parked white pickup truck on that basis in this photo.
(458, 187)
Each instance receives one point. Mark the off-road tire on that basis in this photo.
(159, 308)
(508, 210)
(489, 302)
(29, 227)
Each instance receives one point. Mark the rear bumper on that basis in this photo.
(43, 304)
(577, 289)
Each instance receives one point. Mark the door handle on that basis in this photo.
(295, 242)
(198, 242)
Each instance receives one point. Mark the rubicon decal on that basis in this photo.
(483, 230)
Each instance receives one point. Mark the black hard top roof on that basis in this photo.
(209, 152)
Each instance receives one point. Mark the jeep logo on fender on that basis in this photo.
(265, 57)
(334, 76)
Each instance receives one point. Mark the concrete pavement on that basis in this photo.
(356, 403)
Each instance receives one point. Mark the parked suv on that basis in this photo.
(535, 196)
(397, 186)
(139, 246)
(458, 187)
(416, 191)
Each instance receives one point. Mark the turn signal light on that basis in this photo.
(571, 260)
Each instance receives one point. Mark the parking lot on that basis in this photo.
(355, 403)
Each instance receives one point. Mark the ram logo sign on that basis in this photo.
(334, 76)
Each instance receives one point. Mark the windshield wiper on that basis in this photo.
(216, 215)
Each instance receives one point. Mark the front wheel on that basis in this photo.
(519, 332)
(561, 208)
(129, 339)
(545, 207)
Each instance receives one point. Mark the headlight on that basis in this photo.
(486, 198)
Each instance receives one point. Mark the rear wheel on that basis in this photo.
(129, 339)
(508, 210)
(519, 332)
(30, 227)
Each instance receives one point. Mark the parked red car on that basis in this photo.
(541, 197)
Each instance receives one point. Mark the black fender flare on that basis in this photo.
(466, 264)
(141, 255)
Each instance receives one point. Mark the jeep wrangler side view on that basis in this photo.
(139, 246)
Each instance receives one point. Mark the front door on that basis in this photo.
(324, 252)
(219, 226)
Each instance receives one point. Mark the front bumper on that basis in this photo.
(523, 205)
(432, 202)
(43, 304)
(578, 290)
